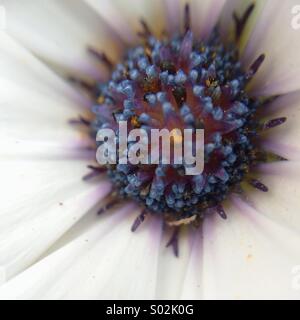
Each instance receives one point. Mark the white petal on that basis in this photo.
(60, 32)
(35, 124)
(150, 11)
(193, 284)
(36, 107)
(113, 16)
(274, 36)
(227, 25)
(43, 199)
(284, 140)
(107, 262)
(173, 15)
(172, 271)
(248, 256)
(204, 15)
(281, 202)
(23, 68)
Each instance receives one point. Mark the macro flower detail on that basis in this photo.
(176, 82)
(73, 228)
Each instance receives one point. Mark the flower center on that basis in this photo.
(184, 82)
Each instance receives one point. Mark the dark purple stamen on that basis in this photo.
(89, 148)
(90, 87)
(187, 18)
(102, 57)
(95, 171)
(221, 212)
(173, 242)
(240, 23)
(139, 220)
(255, 66)
(258, 185)
(146, 30)
(80, 121)
(274, 123)
(112, 203)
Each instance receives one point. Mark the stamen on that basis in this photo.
(258, 185)
(80, 121)
(185, 82)
(240, 23)
(102, 57)
(274, 123)
(139, 220)
(146, 30)
(221, 212)
(268, 157)
(95, 171)
(90, 87)
(255, 66)
(111, 204)
(173, 242)
(187, 18)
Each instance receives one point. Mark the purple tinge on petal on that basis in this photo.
(282, 149)
(283, 169)
(186, 47)
(244, 207)
(112, 15)
(172, 13)
(205, 15)
(279, 41)
(139, 220)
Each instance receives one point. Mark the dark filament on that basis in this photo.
(275, 123)
(173, 242)
(110, 204)
(258, 185)
(139, 220)
(240, 23)
(102, 57)
(187, 18)
(221, 212)
(95, 171)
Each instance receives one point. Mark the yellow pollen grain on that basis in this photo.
(177, 137)
(100, 100)
(134, 122)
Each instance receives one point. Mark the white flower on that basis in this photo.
(52, 243)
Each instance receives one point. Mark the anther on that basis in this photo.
(102, 57)
(221, 212)
(146, 30)
(255, 66)
(187, 18)
(95, 171)
(90, 87)
(139, 220)
(274, 123)
(112, 203)
(173, 242)
(258, 185)
(240, 23)
(80, 121)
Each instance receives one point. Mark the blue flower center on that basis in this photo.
(182, 82)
